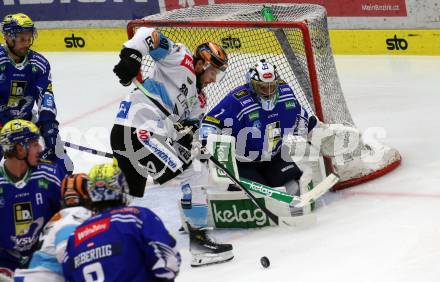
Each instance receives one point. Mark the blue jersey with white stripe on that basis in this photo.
(23, 85)
(121, 244)
(258, 132)
(26, 206)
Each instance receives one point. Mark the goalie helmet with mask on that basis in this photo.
(210, 62)
(107, 186)
(263, 81)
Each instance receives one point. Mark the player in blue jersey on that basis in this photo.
(45, 264)
(119, 243)
(29, 193)
(259, 114)
(25, 81)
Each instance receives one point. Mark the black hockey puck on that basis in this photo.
(265, 262)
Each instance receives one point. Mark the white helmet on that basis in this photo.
(263, 81)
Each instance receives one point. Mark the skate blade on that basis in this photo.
(204, 259)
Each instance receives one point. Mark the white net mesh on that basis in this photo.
(307, 65)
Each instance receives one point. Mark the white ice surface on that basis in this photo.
(385, 230)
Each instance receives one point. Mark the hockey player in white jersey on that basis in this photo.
(46, 262)
(146, 141)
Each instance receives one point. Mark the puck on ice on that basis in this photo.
(265, 262)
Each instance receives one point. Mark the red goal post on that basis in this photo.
(297, 43)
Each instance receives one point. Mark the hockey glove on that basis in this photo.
(128, 66)
(49, 132)
(185, 132)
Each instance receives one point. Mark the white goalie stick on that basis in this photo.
(306, 199)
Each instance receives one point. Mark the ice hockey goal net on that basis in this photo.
(297, 42)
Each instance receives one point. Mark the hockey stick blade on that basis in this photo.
(318, 190)
(299, 221)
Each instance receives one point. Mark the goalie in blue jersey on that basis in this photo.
(29, 193)
(119, 243)
(264, 115)
(25, 81)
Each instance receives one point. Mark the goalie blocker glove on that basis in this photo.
(128, 66)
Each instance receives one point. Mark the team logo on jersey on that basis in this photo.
(42, 183)
(289, 105)
(257, 124)
(23, 217)
(2, 77)
(150, 42)
(17, 92)
(124, 107)
(212, 119)
(188, 63)
(246, 101)
(254, 115)
(90, 230)
(160, 150)
(240, 94)
(49, 88)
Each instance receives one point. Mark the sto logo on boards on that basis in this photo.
(231, 42)
(396, 43)
(74, 42)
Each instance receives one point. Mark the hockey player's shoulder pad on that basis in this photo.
(49, 169)
(282, 82)
(127, 210)
(241, 97)
(285, 89)
(150, 41)
(160, 47)
(39, 62)
(240, 93)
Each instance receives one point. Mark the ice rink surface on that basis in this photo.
(385, 230)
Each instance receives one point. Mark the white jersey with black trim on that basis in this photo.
(172, 80)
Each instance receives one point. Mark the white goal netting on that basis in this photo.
(298, 43)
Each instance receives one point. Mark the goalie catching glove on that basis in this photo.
(331, 140)
(334, 139)
(128, 66)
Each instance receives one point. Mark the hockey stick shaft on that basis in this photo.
(87, 150)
